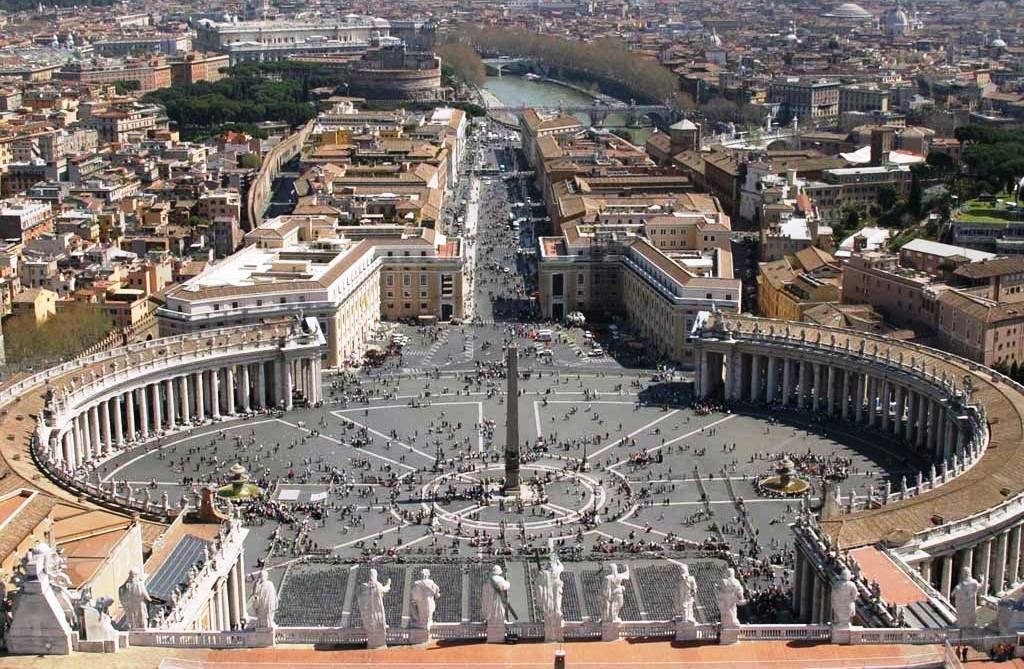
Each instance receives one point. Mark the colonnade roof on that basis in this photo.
(996, 477)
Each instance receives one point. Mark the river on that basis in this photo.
(515, 91)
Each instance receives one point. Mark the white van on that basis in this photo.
(545, 335)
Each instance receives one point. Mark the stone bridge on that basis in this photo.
(661, 116)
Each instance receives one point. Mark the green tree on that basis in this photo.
(887, 198)
(251, 161)
(915, 197)
(63, 336)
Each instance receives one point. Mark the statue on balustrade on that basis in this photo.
(551, 591)
(686, 594)
(135, 601)
(965, 598)
(495, 604)
(264, 602)
(614, 594)
(730, 597)
(371, 602)
(424, 600)
(844, 600)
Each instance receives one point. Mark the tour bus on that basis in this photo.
(545, 335)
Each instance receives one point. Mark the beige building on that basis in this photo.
(299, 264)
(787, 288)
(605, 271)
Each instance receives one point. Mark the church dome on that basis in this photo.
(849, 10)
(998, 42)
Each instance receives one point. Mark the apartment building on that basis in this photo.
(806, 99)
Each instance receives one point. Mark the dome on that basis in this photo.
(849, 10)
(998, 42)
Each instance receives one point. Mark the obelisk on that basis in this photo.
(512, 421)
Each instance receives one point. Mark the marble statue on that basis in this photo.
(424, 600)
(686, 594)
(264, 602)
(730, 596)
(614, 594)
(496, 609)
(551, 590)
(134, 601)
(844, 600)
(965, 598)
(371, 605)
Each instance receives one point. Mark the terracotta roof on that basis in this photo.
(990, 268)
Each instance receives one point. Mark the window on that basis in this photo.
(283, 300)
(423, 278)
(389, 280)
(234, 305)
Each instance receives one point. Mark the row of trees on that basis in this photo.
(609, 62)
(462, 63)
(63, 336)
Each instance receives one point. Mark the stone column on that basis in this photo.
(158, 420)
(730, 376)
(806, 591)
(287, 383)
(883, 404)
(947, 575)
(198, 383)
(999, 576)
(844, 409)
(872, 388)
(246, 389)
(801, 386)
(318, 376)
(130, 413)
(94, 422)
(830, 394)
(966, 560)
(910, 430)
(225, 611)
(261, 383)
(143, 412)
(755, 378)
(982, 557)
(104, 412)
(897, 426)
(186, 409)
(233, 599)
(1013, 566)
(949, 431)
(858, 405)
(229, 388)
(931, 431)
(171, 406)
(798, 572)
(119, 421)
(240, 569)
(926, 571)
(81, 439)
(215, 393)
(921, 417)
(818, 390)
(770, 389)
(787, 380)
(816, 612)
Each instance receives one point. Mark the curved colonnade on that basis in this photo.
(112, 402)
(965, 511)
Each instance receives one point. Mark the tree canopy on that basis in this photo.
(63, 336)
(244, 97)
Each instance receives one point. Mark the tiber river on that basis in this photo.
(517, 91)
